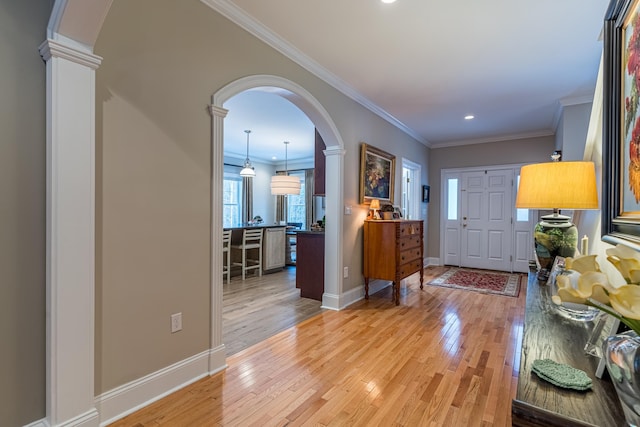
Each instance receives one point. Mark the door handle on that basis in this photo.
(464, 225)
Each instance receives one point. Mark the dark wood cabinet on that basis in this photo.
(393, 250)
(310, 264)
(319, 166)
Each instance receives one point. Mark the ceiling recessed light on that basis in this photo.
(388, 1)
(469, 117)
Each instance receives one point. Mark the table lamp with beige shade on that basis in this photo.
(556, 185)
(373, 207)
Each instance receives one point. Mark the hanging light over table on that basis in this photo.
(248, 170)
(285, 184)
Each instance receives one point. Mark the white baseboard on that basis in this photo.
(88, 419)
(217, 359)
(433, 261)
(377, 285)
(40, 423)
(357, 294)
(352, 296)
(130, 397)
(330, 301)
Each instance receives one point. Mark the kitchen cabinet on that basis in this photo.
(274, 245)
(319, 166)
(274, 248)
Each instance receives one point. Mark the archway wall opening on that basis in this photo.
(321, 119)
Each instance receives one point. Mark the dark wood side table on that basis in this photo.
(549, 335)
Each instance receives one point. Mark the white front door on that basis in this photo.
(480, 227)
(486, 219)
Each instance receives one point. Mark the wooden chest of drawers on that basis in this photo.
(393, 250)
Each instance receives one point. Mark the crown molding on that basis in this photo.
(239, 17)
(568, 102)
(576, 100)
(536, 134)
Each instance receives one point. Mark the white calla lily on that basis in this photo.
(578, 288)
(626, 301)
(582, 264)
(626, 261)
(584, 283)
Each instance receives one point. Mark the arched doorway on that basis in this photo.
(334, 191)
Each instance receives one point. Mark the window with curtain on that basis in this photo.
(232, 200)
(297, 204)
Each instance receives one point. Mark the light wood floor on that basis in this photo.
(261, 306)
(443, 357)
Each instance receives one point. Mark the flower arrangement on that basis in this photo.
(586, 284)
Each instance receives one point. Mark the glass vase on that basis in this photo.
(570, 310)
(622, 356)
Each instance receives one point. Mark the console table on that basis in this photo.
(549, 335)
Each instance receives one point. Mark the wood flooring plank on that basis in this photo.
(443, 357)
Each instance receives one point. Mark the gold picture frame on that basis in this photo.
(377, 174)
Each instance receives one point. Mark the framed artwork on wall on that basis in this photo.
(621, 125)
(377, 170)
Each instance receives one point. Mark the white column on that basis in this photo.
(217, 352)
(70, 234)
(333, 231)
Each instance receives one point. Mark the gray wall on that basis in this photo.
(153, 172)
(22, 211)
(572, 130)
(530, 150)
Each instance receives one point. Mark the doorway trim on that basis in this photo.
(334, 153)
(415, 200)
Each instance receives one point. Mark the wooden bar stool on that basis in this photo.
(251, 239)
(226, 252)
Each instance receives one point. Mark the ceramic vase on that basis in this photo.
(554, 237)
(622, 353)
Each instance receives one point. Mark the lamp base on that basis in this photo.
(555, 235)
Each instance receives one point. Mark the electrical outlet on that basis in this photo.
(345, 273)
(176, 322)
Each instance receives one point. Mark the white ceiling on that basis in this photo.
(271, 120)
(423, 65)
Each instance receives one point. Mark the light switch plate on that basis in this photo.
(176, 322)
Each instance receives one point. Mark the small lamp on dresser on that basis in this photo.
(375, 206)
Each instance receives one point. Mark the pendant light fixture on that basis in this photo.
(248, 170)
(285, 184)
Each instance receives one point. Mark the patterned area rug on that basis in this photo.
(485, 281)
